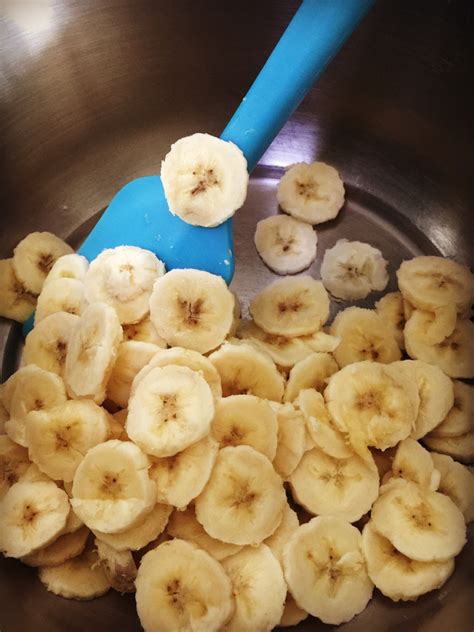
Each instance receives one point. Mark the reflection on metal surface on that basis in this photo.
(34, 18)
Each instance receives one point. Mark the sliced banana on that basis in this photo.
(244, 500)
(236, 315)
(364, 336)
(192, 309)
(132, 356)
(64, 548)
(423, 525)
(291, 439)
(32, 515)
(460, 448)
(286, 245)
(413, 463)
(460, 419)
(352, 269)
(292, 613)
(112, 490)
(325, 569)
(15, 300)
(457, 482)
(14, 462)
(258, 587)
(245, 370)
(60, 295)
(288, 525)
(205, 179)
(312, 372)
(399, 577)
(68, 267)
(391, 310)
(171, 408)
(438, 325)
(34, 257)
(321, 342)
(59, 438)
(119, 567)
(144, 331)
(311, 192)
(292, 306)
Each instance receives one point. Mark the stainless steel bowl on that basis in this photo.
(94, 92)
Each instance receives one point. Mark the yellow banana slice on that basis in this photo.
(288, 525)
(64, 548)
(460, 447)
(60, 295)
(413, 463)
(312, 372)
(291, 439)
(132, 356)
(144, 331)
(68, 267)
(16, 302)
(457, 482)
(391, 310)
(460, 419)
(14, 462)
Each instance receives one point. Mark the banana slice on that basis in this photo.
(73, 522)
(119, 567)
(258, 587)
(81, 578)
(311, 192)
(457, 482)
(391, 310)
(205, 179)
(246, 420)
(60, 295)
(144, 331)
(236, 315)
(59, 438)
(292, 613)
(171, 408)
(438, 325)
(123, 277)
(182, 477)
(192, 309)
(117, 425)
(325, 570)
(291, 440)
(34, 257)
(64, 548)
(435, 391)
(132, 356)
(68, 267)
(286, 245)
(396, 576)
(244, 500)
(423, 525)
(352, 269)
(321, 342)
(364, 336)
(292, 306)
(14, 462)
(460, 419)
(413, 463)
(47, 344)
(433, 282)
(184, 525)
(112, 490)
(288, 525)
(245, 370)
(32, 516)
(312, 372)
(345, 488)
(15, 300)
(460, 448)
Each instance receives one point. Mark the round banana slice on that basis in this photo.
(32, 516)
(205, 179)
(34, 257)
(312, 372)
(460, 447)
(58, 438)
(245, 370)
(433, 282)
(460, 419)
(321, 342)
(246, 420)
(244, 500)
(181, 587)
(391, 310)
(311, 192)
(352, 269)
(47, 344)
(171, 408)
(457, 482)
(413, 463)
(60, 295)
(64, 548)
(192, 309)
(119, 567)
(132, 356)
(291, 440)
(68, 267)
(14, 462)
(15, 300)
(112, 490)
(92, 352)
(288, 525)
(144, 331)
(292, 306)
(258, 587)
(421, 524)
(396, 576)
(286, 245)
(123, 277)
(325, 570)
(438, 325)
(292, 613)
(364, 336)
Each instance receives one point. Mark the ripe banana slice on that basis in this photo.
(292, 306)
(15, 300)
(325, 569)
(345, 488)
(243, 369)
(60, 295)
(457, 482)
(64, 548)
(313, 193)
(14, 462)
(205, 179)
(288, 525)
(312, 372)
(32, 515)
(321, 342)
(119, 567)
(364, 336)
(192, 309)
(438, 325)
(413, 463)
(352, 269)
(423, 525)
(244, 500)
(285, 244)
(246, 420)
(396, 576)
(123, 277)
(171, 408)
(59, 438)
(48, 343)
(460, 419)
(258, 587)
(68, 267)
(144, 331)
(391, 310)
(460, 447)
(291, 439)
(112, 490)
(34, 257)
(292, 613)
(132, 356)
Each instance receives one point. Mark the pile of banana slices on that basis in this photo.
(238, 473)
